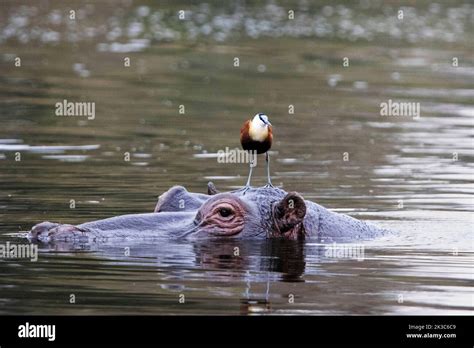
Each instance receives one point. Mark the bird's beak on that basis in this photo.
(268, 123)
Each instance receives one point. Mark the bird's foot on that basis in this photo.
(244, 189)
(269, 185)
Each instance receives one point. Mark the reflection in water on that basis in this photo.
(250, 277)
(281, 256)
(413, 176)
(275, 256)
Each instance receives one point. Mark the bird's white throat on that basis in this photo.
(258, 131)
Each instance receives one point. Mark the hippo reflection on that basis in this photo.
(265, 212)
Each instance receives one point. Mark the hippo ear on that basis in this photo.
(289, 214)
(211, 189)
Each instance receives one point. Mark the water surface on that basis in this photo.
(413, 175)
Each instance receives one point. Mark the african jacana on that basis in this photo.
(256, 136)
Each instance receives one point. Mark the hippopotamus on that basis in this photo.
(265, 212)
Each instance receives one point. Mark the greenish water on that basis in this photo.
(413, 175)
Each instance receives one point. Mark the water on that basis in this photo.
(410, 174)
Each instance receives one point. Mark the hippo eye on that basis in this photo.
(225, 212)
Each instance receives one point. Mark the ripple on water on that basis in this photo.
(67, 158)
(47, 149)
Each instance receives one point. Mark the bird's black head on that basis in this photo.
(264, 118)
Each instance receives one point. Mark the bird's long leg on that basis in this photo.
(247, 185)
(269, 181)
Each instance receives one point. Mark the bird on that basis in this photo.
(256, 137)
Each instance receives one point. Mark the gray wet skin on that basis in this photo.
(255, 213)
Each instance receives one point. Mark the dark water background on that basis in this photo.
(424, 163)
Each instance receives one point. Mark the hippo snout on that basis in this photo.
(46, 232)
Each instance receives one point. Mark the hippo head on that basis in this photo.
(257, 212)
